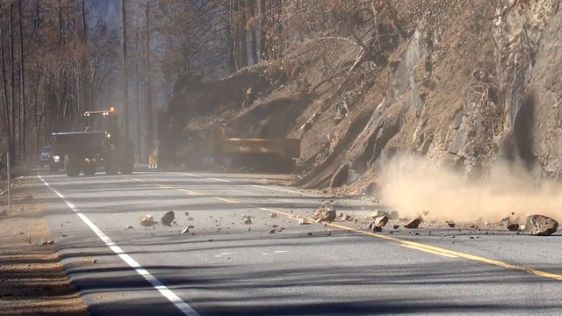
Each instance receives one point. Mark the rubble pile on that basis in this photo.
(325, 213)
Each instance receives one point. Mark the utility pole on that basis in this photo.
(22, 83)
(124, 65)
(148, 83)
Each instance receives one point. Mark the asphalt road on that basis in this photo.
(225, 267)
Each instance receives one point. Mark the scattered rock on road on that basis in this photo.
(273, 215)
(272, 231)
(396, 226)
(130, 227)
(540, 225)
(345, 217)
(414, 223)
(148, 221)
(325, 213)
(512, 227)
(185, 231)
(168, 218)
(451, 224)
(374, 227)
(48, 243)
(303, 221)
(381, 221)
(247, 220)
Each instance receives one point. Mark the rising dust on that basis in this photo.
(413, 185)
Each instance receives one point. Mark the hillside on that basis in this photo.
(464, 84)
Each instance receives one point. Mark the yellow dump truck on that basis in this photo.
(278, 154)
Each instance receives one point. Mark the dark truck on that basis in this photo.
(100, 143)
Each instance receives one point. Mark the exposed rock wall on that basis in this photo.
(464, 83)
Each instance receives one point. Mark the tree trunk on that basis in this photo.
(148, 84)
(124, 64)
(13, 124)
(22, 83)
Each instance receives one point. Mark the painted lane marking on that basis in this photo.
(227, 200)
(156, 284)
(284, 190)
(429, 251)
(221, 180)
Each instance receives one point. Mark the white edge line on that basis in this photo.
(156, 284)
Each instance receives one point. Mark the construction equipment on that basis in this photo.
(100, 143)
(278, 154)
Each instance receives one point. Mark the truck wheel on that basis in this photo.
(90, 169)
(127, 162)
(72, 165)
(110, 165)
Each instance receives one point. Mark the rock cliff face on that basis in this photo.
(464, 83)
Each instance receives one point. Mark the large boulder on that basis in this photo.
(414, 223)
(540, 225)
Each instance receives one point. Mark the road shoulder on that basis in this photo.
(32, 279)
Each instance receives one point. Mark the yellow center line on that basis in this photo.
(439, 251)
(227, 200)
(429, 251)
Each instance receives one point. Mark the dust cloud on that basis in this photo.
(413, 185)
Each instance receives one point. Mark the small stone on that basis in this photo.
(48, 243)
(247, 220)
(185, 230)
(272, 231)
(414, 223)
(273, 215)
(540, 225)
(396, 226)
(191, 227)
(303, 221)
(94, 261)
(64, 235)
(309, 234)
(186, 213)
(148, 221)
(451, 224)
(130, 227)
(513, 227)
(4, 213)
(168, 218)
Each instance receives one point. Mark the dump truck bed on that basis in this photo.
(288, 148)
(78, 142)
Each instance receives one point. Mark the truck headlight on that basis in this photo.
(56, 158)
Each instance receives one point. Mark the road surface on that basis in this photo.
(225, 267)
